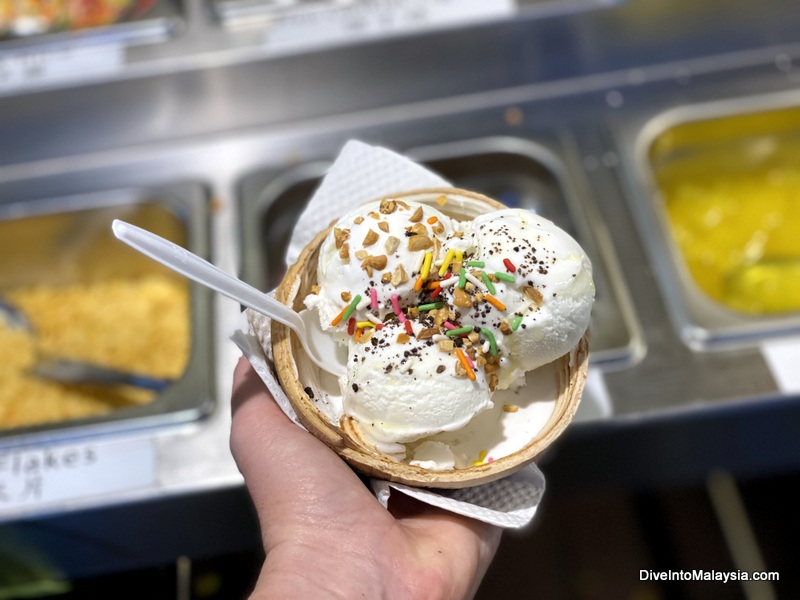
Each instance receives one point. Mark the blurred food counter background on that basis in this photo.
(662, 134)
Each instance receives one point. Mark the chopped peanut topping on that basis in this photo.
(370, 238)
(446, 345)
(533, 294)
(437, 248)
(460, 370)
(419, 242)
(427, 333)
(388, 206)
(374, 262)
(418, 229)
(399, 276)
(491, 366)
(440, 315)
(461, 298)
(340, 236)
(392, 243)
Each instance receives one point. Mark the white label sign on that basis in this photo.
(53, 474)
(783, 358)
(367, 19)
(32, 67)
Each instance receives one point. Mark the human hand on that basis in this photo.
(325, 534)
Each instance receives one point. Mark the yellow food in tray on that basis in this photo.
(27, 17)
(739, 234)
(139, 325)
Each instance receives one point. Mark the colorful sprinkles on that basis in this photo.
(492, 341)
(396, 307)
(338, 318)
(452, 286)
(448, 258)
(373, 296)
(351, 308)
(481, 459)
(426, 265)
(465, 363)
(459, 331)
(488, 283)
(495, 302)
(431, 306)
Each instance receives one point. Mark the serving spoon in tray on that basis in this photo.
(67, 370)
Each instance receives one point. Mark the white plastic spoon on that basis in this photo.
(320, 346)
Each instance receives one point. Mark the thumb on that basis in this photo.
(293, 478)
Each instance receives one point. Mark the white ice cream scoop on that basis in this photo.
(404, 392)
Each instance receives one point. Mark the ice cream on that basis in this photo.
(372, 254)
(438, 314)
(532, 288)
(402, 388)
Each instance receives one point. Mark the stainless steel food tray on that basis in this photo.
(702, 323)
(68, 239)
(156, 23)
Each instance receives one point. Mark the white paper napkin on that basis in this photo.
(362, 173)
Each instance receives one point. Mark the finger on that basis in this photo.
(264, 441)
(293, 478)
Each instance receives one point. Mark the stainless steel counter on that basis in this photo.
(234, 117)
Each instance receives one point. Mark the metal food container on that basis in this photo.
(722, 222)
(58, 242)
(517, 172)
(35, 26)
